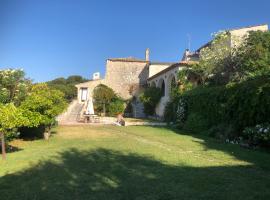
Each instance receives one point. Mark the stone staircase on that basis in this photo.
(72, 114)
(138, 110)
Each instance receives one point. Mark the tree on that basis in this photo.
(13, 86)
(150, 98)
(10, 118)
(215, 65)
(222, 62)
(67, 86)
(42, 106)
(116, 107)
(253, 56)
(103, 95)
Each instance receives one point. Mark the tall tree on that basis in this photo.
(10, 118)
(42, 106)
(103, 95)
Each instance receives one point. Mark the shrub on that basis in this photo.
(150, 98)
(128, 109)
(196, 123)
(207, 102)
(169, 112)
(258, 135)
(248, 103)
(240, 105)
(116, 107)
(103, 96)
(222, 132)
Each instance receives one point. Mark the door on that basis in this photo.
(84, 92)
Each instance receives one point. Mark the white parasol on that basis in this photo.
(90, 107)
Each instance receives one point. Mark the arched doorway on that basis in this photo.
(161, 85)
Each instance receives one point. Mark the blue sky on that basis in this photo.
(58, 38)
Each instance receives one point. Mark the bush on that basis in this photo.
(116, 107)
(196, 123)
(222, 132)
(248, 103)
(150, 98)
(128, 109)
(241, 105)
(169, 112)
(103, 96)
(258, 135)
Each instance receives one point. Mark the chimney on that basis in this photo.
(96, 76)
(147, 54)
(186, 54)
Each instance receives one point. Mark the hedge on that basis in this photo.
(241, 105)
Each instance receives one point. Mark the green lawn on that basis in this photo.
(107, 163)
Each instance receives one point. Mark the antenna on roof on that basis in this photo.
(189, 41)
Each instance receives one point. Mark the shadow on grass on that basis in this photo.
(259, 158)
(107, 175)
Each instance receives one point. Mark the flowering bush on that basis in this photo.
(181, 111)
(258, 135)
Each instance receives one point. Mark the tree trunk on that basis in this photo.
(47, 133)
(3, 145)
(104, 109)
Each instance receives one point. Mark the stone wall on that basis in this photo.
(238, 35)
(122, 76)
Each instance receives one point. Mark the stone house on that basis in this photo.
(128, 76)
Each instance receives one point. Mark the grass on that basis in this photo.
(107, 162)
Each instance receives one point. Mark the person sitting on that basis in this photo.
(120, 120)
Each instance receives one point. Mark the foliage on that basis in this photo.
(223, 132)
(253, 56)
(222, 62)
(13, 86)
(43, 105)
(239, 105)
(67, 86)
(215, 63)
(249, 102)
(215, 59)
(129, 108)
(258, 135)
(181, 112)
(150, 98)
(209, 103)
(169, 111)
(195, 123)
(10, 118)
(116, 107)
(103, 96)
